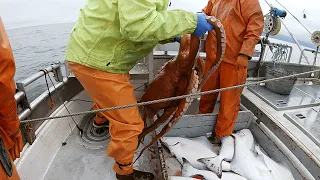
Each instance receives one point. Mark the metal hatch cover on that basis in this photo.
(307, 121)
(301, 96)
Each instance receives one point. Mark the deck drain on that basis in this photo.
(300, 116)
(93, 138)
(281, 102)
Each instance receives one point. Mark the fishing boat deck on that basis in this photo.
(67, 155)
(78, 161)
(60, 153)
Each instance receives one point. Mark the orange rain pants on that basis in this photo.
(227, 75)
(9, 121)
(109, 90)
(243, 23)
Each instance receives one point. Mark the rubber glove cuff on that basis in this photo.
(177, 39)
(203, 25)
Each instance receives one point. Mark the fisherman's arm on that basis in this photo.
(141, 21)
(253, 17)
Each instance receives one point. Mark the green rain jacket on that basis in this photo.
(112, 35)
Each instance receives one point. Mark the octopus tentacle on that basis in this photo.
(221, 46)
(180, 90)
(183, 107)
(171, 77)
(164, 117)
(161, 70)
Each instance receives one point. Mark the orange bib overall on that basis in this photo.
(243, 22)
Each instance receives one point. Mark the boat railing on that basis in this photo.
(21, 97)
(44, 104)
(312, 51)
(276, 45)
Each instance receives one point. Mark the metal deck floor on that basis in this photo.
(83, 158)
(301, 96)
(75, 161)
(307, 121)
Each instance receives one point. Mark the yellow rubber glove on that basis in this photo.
(17, 146)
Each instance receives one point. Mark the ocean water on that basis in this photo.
(38, 47)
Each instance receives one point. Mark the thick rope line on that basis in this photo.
(169, 99)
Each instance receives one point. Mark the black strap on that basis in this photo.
(46, 72)
(123, 165)
(5, 159)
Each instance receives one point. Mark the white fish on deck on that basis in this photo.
(180, 178)
(231, 176)
(246, 162)
(205, 141)
(247, 137)
(278, 171)
(189, 171)
(189, 149)
(226, 153)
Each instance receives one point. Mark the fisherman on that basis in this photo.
(11, 143)
(105, 44)
(243, 22)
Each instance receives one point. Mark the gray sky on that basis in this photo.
(21, 13)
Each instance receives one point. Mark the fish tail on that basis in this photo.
(184, 160)
(214, 164)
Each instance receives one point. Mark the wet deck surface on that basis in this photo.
(74, 161)
(301, 96)
(85, 157)
(308, 121)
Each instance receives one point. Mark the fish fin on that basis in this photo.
(257, 149)
(203, 159)
(184, 160)
(214, 164)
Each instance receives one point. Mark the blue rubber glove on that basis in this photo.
(203, 26)
(177, 39)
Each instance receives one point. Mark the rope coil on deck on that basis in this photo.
(169, 99)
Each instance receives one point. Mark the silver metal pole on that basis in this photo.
(39, 74)
(150, 66)
(315, 56)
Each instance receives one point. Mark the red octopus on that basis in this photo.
(182, 75)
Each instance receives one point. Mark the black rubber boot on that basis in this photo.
(104, 125)
(136, 175)
(214, 139)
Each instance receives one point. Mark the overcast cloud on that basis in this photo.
(21, 13)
